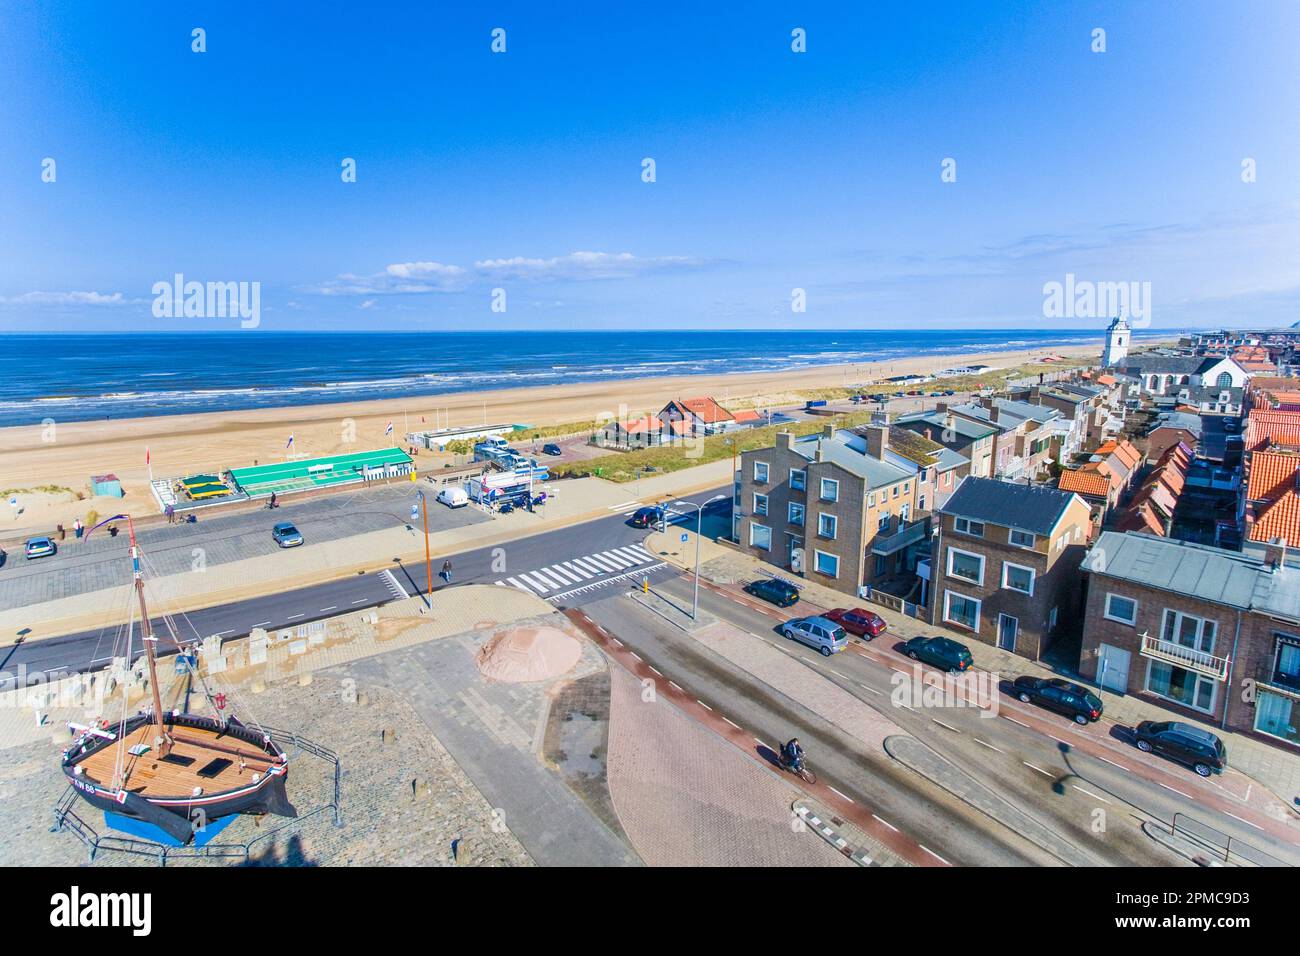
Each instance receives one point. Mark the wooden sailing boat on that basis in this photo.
(174, 770)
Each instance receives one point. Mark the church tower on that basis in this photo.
(1117, 336)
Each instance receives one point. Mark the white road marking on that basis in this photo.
(292, 616)
(837, 793)
(1179, 792)
(703, 704)
(732, 722)
(577, 570)
(1247, 822)
(332, 607)
(635, 654)
(885, 822)
(1039, 769)
(933, 854)
(675, 687)
(514, 582)
(990, 746)
(263, 624)
(359, 601)
(1095, 796)
(1014, 721)
(948, 726)
(537, 584)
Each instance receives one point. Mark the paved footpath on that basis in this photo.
(1258, 790)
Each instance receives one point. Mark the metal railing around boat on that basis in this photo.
(66, 817)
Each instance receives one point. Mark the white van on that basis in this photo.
(453, 497)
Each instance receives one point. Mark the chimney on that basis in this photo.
(828, 431)
(928, 435)
(783, 440)
(1275, 553)
(941, 407)
(877, 437)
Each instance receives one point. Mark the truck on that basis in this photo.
(815, 403)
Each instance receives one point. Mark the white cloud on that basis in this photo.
(413, 278)
(583, 265)
(66, 298)
(368, 304)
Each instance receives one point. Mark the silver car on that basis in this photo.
(819, 633)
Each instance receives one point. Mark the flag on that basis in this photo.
(389, 429)
(289, 443)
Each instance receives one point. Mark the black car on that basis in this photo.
(780, 593)
(1073, 700)
(940, 652)
(645, 517)
(552, 449)
(1188, 745)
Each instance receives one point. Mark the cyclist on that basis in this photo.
(793, 754)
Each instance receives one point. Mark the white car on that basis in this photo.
(453, 497)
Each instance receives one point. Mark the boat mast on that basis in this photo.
(162, 740)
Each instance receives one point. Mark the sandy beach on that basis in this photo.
(66, 455)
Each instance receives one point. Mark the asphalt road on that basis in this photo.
(1060, 786)
(520, 559)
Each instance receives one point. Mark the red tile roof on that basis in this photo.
(746, 415)
(706, 409)
(1272, 483)
(1085, 482)
(1266, 427)
(1281, 519)
(1271, 473)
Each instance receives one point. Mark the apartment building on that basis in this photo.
(1006, 560)
(1206, 632)
(971, 439)
(1023, 433)
(835, 506)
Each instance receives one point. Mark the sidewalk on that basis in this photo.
(568, 502)
(1272, 767)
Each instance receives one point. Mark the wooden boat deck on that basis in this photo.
(151, 776)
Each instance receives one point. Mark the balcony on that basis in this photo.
(885, 543)
(1187, 658)
(1279, 682)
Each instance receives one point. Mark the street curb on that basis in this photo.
(832, 836)
(686, 625)
(1184, 848)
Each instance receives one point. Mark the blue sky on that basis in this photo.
(522, 171)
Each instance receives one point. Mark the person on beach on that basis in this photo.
(76, 528)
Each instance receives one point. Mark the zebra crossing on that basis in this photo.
(629, 508)
(585, 573)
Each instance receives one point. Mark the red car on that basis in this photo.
(865, 624)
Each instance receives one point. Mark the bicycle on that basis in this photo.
(803, 771)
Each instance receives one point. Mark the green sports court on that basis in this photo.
(308, 473)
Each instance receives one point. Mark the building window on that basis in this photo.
(760, 472)
(1121, 609)
(871, 499)
(961, 610)
(882, 563)
(1018, 578)
(796, 514)
(826, 524)
(760, 536)
(882, 525)
(905, 511)
(798, 479)
(967, 566)
(921, 477)
(1193, 632)
(830, 490)
(1286, 662)
(895, 491)
(1278, 716)
(760, 504)
(965, 526)
(1181, 686)
(920, 505)
(1022, 539)
(1224, 380)
(827, 564)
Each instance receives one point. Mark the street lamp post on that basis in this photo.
(699, 528)
(428, 561)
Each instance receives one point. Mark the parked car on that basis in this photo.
(940, 652)
(780, 593)
(820, 633)
(286, 535)
(645, 517)
(552, 449)
(41, 547)
(453, 497)
(1183, 743)
(1072, 700)
(865, 624)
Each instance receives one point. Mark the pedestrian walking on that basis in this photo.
(171, 514)
(446, 571)
(63, 533)
(76, 528)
